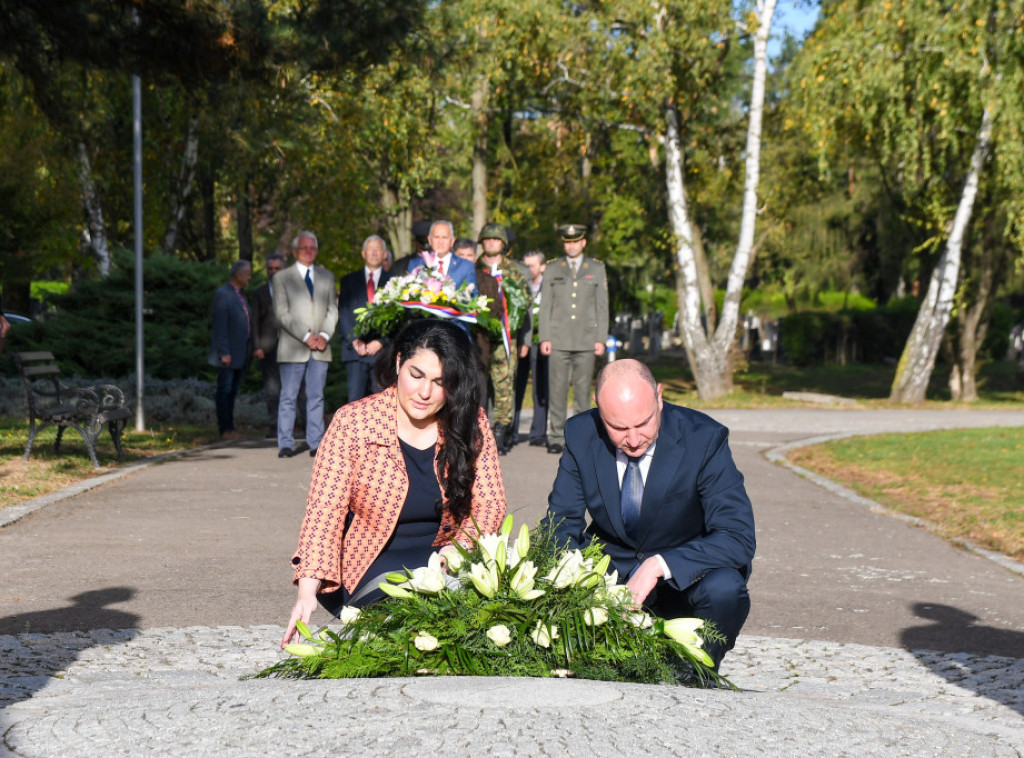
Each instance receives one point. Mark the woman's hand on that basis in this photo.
(303, 609)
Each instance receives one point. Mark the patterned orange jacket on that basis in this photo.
(359, 469)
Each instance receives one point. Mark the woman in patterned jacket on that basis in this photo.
(399, 474)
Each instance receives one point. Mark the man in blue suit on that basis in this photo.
(229, 344)
(357, 289)
(664, 497)
(442, 238)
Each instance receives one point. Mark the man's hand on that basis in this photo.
(524, 351)
(258, 352)
(644, 579)
(599, 348)
(359, 346)
(545, 347)
(373, 347)
(225, 361)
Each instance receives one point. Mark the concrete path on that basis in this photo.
(128, 612)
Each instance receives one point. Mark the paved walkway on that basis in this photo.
(128, 613)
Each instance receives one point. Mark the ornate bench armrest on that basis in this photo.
(110, 396)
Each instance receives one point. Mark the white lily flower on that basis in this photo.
(641, 620)
(595, 616)
(349, 614)
(485, 578)
(428, 579)
(684, 631)
(425, 641)
(455, 559)
(491, 545)
(499, 634)
(522, 584)
(544, 635)
(570, 568)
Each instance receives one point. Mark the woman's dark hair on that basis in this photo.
(459, 416)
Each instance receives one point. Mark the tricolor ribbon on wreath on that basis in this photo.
(441, 311)
(506, 334)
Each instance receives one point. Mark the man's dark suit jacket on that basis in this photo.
(230, 334)
(352, 296)
(459, 270)
(265, 327)
(695, 511)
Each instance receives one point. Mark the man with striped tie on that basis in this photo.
(358, 289)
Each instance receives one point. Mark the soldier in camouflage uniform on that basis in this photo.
(515, 297)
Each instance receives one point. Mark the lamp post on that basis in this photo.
(140, 362)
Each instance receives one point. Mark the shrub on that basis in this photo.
(867, 336)
(92, 328)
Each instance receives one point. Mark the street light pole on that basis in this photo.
(140, 363)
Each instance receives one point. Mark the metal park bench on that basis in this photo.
(85, 409)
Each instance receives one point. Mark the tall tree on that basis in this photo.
(663, 64)
(938, 107)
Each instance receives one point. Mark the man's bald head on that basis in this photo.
(629, 402)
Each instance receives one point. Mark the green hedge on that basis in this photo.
(866, 336)
(91, 327)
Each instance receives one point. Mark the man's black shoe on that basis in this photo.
(555, 448)
(285, 452)
(312, 453)
(539, 442)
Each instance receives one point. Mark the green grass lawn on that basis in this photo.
(761, 385)
(47, 472)
(968, 483)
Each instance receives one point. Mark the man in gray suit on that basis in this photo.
(573, 327)
(307, 308)
(229, 344)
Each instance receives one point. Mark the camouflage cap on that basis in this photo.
(493, 231)
(572, 232)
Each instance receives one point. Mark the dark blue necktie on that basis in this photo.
(632, 496)
(309, 283)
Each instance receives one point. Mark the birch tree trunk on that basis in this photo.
(918, 358)
(478, 111)
(182, 189)
(709, 357)
(95, 232)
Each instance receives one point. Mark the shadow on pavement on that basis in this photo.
(953, 633)
(36, 646)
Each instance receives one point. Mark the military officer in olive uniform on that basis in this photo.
(573, 327)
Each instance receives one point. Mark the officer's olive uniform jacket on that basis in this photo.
(574, 310)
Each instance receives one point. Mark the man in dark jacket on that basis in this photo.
(229, 344)
(663, 496)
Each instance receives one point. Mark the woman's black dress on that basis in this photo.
(412, 541)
